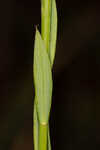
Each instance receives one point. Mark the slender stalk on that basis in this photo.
(49, 142)
(45, 21)
(43, 62)
(45, 32)
(35, 128)
(43, 130)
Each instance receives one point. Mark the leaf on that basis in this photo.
(53, 32)
(42, 79)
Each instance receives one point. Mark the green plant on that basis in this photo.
(44, 53)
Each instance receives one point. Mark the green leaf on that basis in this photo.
(42, 80)
(53, 31)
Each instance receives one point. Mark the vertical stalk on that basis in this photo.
(45, 32)
(35, 128)
(45, 21)
(49, 33)
(43, 130)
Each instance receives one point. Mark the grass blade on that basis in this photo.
(42, 80)
(53, 32)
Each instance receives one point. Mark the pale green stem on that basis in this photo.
(45, 31)
(45, 21)
(49, 143)
(35, 128)
(43, 131)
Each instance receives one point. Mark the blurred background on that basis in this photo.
(75, 114)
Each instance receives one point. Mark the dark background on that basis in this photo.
(75, 115)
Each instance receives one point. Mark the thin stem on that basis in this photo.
(45, 32)
(49, 142)
(45, 21)
(35, 128)
(43, 133)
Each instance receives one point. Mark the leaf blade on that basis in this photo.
(42, 79)
(53, 32)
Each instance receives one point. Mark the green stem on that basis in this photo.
(45, 32)
(43, 133)
(35, 128)
(49, 142)
(45, 21)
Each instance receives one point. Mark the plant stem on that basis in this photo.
(35, 128)
(45, 21)
(48, 32)
(45, 32)
(43, 132)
